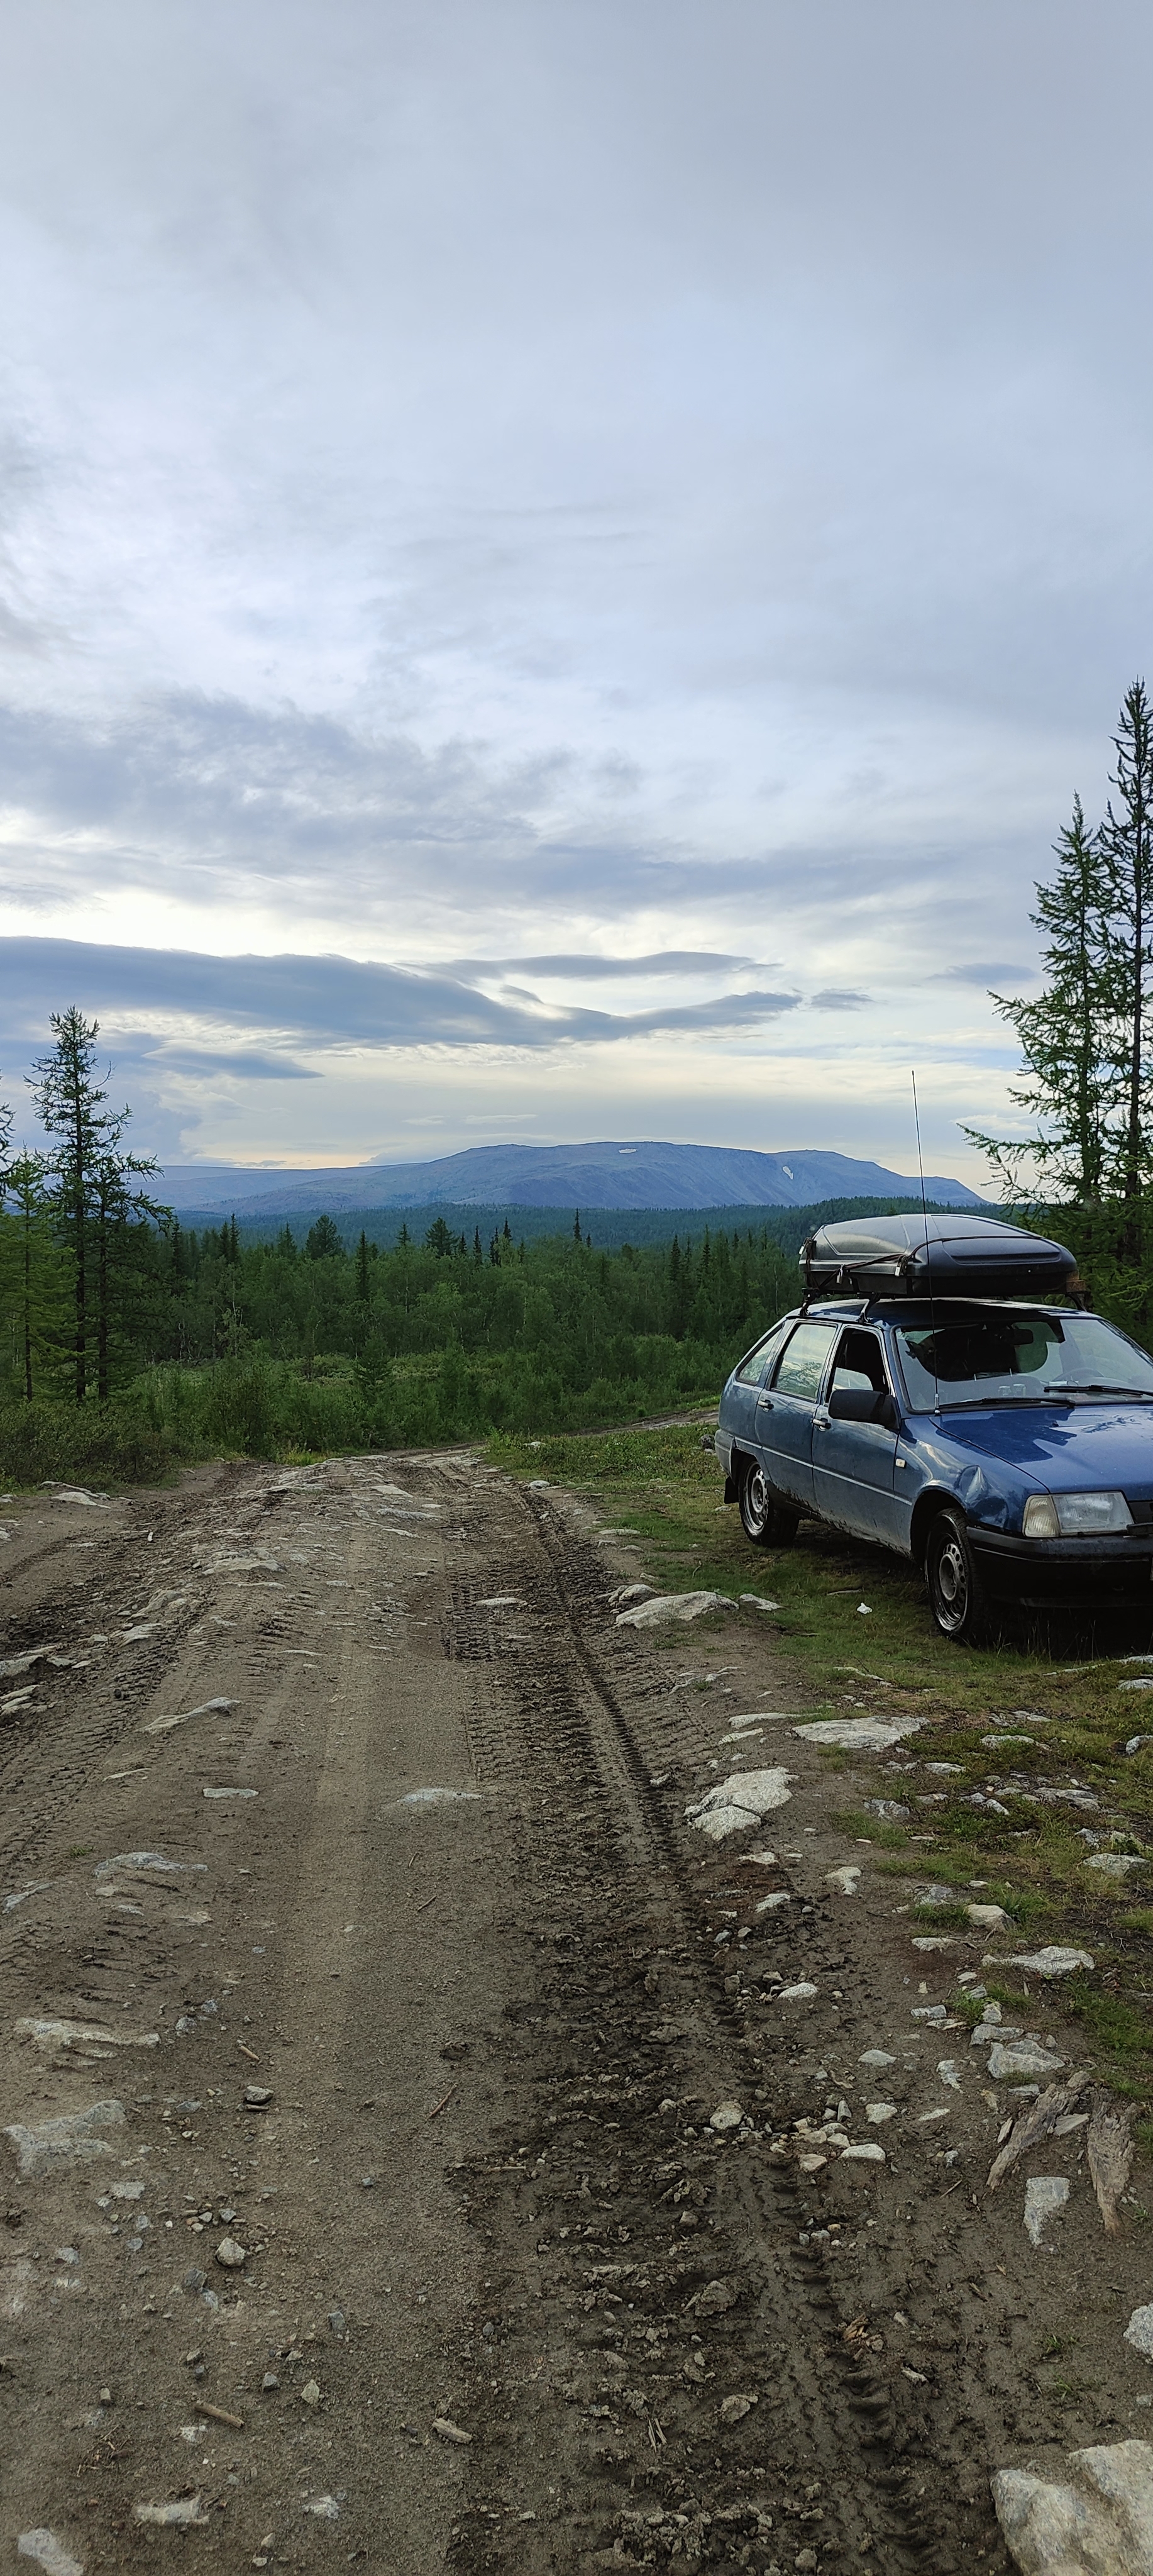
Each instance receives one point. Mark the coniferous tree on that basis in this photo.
(89, 1176)
(1064, 1035)
(1127, 837)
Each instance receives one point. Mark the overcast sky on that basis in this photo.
(561, 563)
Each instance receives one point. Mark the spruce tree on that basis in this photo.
(1064, 1035)
(91, 1179)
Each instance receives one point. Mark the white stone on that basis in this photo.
(757, 1601)
(878, 2112)
(796, 1994)
(740, 1801)
(1045, 2194)
(1053, 1961)
(772, 1904)
(70, 2138)
(844, 1882)
(1115, 1864)
(728, 2115)
(989, 1918)
(1023, 2060)
(1099, 2524)
(867, 2153)
(1139, 2332)
(858, 1734)
(875, 2057)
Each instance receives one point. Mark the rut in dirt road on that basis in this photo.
(676, 2375)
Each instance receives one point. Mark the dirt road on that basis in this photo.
(402, 2096)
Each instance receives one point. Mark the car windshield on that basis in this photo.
(1015, 1359)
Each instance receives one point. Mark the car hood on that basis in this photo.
(1071, 1449)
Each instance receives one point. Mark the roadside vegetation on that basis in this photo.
(1045, 1712)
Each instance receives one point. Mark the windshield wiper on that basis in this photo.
(974, 1403)
(1137, 1394)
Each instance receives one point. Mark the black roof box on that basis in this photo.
(943, 1256)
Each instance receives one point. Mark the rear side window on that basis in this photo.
(754, 1370)
(802, 1363)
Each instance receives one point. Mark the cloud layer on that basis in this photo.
(510, 517)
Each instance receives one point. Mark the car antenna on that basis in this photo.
(928, 1263)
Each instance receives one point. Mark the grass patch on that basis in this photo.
(873, 1829)
(1055, 1684)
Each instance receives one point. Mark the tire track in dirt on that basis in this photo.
(651, 2469)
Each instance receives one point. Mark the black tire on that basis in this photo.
(764, 1520)
(957, 1596)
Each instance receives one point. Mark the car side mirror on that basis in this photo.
(864, 1404)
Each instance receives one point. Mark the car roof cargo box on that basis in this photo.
(942, 1256)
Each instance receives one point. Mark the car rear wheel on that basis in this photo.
(956, 1593)
(764, 1520)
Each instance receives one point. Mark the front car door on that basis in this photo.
(854, 1463)
(785, 1411)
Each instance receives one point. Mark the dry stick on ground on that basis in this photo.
(438, 2107)
(1037, 2123)
(1110, 2149)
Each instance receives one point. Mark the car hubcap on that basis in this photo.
(952, 1583)
(757, 1501)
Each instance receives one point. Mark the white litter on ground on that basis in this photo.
(740, 1801)
(1099, 2524)
(664, 1606)
(49, 2553)
(435, 1797)
(207, 1708)
(184, 2513)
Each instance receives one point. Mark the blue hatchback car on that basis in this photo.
(1006, 1447)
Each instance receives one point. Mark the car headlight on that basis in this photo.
(1075, 1515)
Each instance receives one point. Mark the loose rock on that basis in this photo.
(1098, 2524)
(446, 2431)
(740, 1801)
(230, 2254)
(1045, 2194)
(734, 2409)
(1024, 2059)
(1053, 1961)
(71, 2138)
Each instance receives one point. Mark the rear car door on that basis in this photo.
(743, 1392)
(854, 1463)
(784, 1429)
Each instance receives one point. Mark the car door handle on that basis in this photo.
(764, 1404)
(821, 1421)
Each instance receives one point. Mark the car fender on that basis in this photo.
(971, 1493)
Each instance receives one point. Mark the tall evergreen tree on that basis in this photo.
(1127, 837)
(1064, 1035)
(90, 1178)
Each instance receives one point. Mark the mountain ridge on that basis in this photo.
(640, 1173)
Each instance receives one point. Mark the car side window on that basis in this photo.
(858, 1365)
(802, 1362)
(754, 1370)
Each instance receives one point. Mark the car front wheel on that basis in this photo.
(763, 1519)
(956, 1594)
